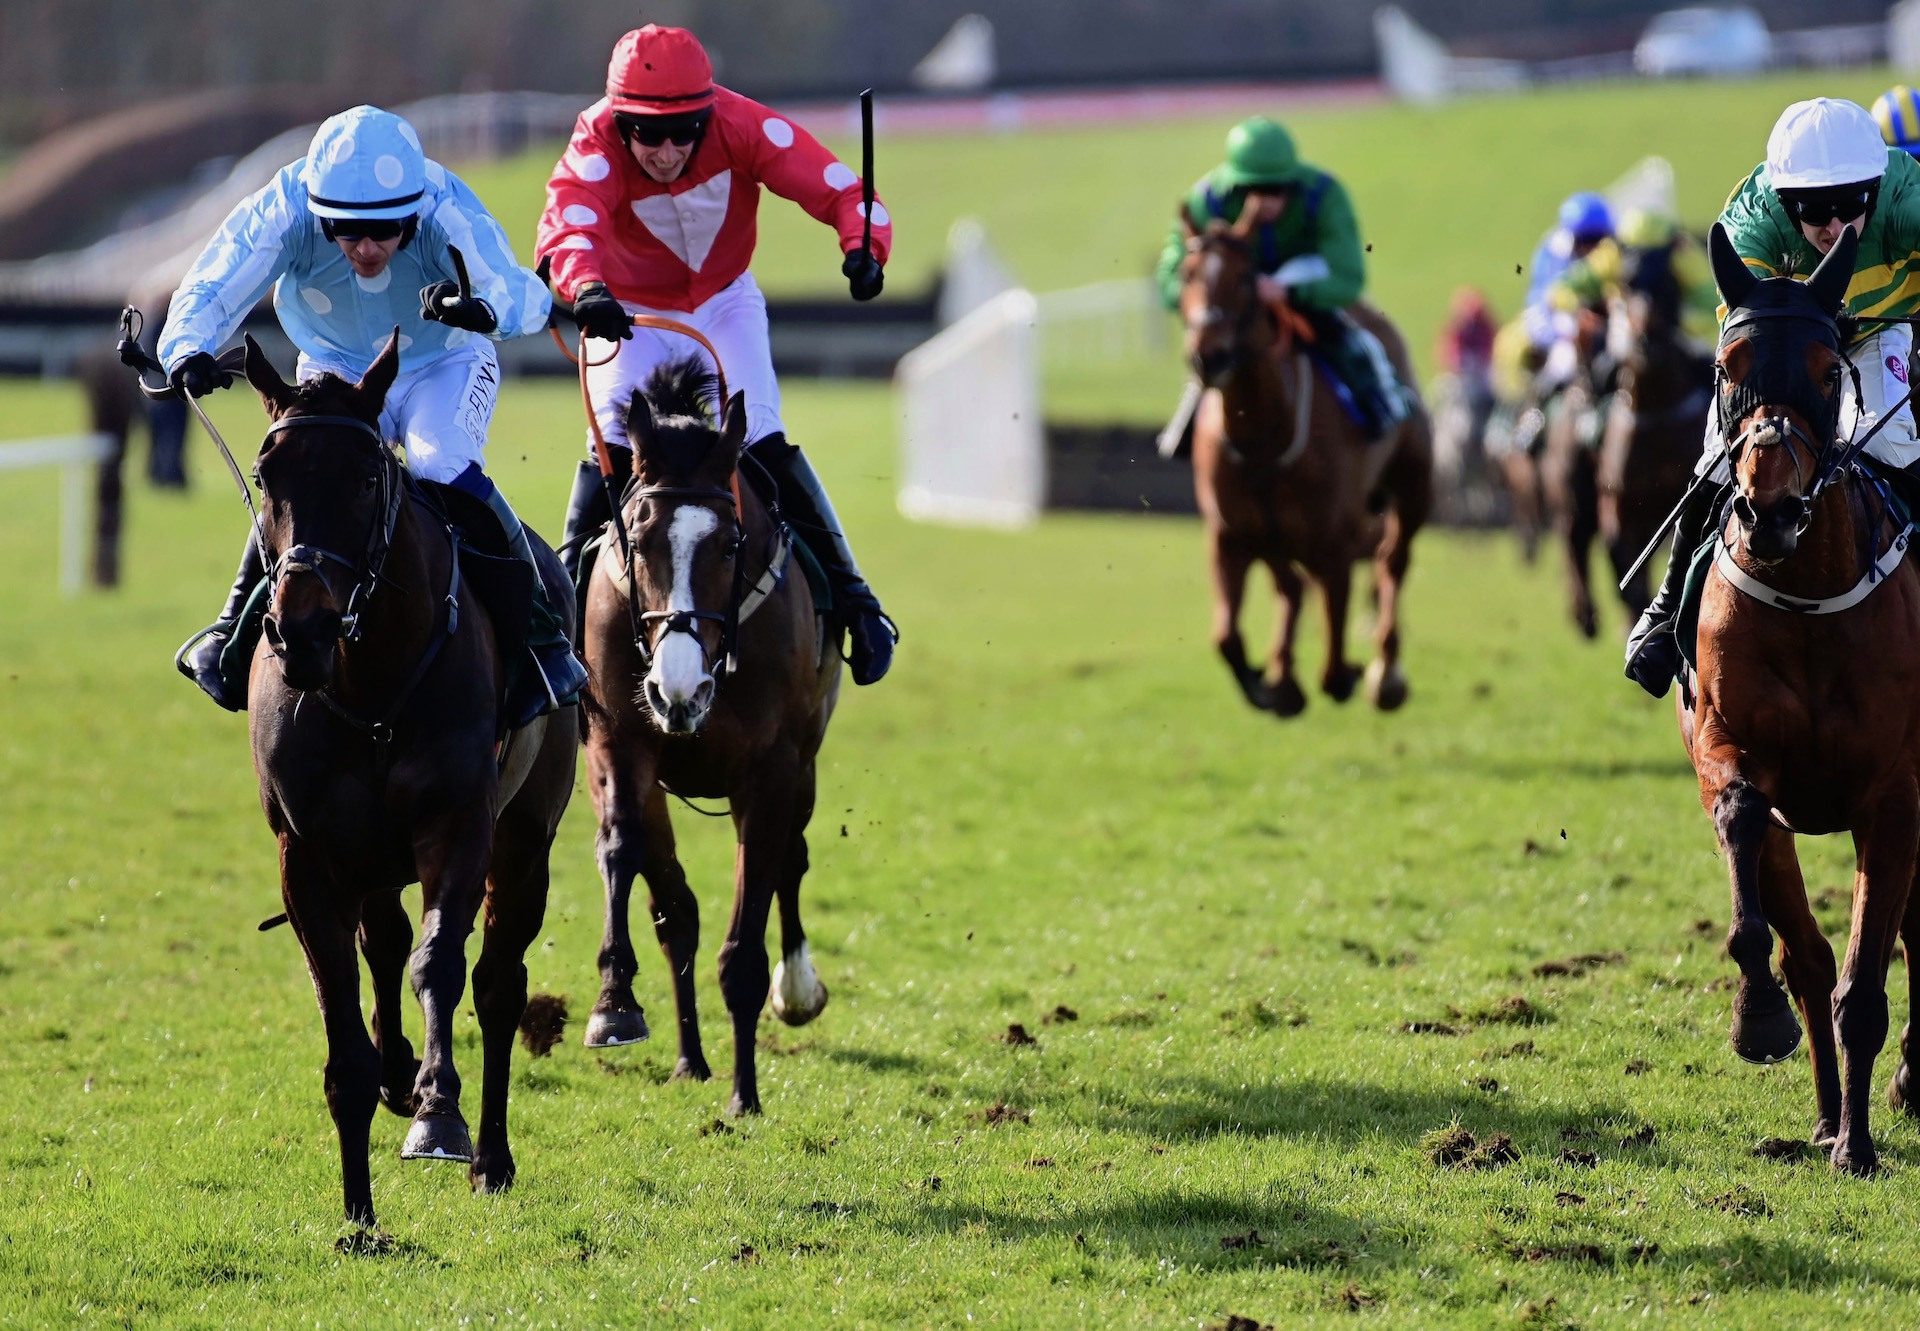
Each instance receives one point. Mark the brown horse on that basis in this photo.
(375, 703)
(1651, 438)
(1805, 716)
(711, 677)
(1569, 468)
(1285, 478)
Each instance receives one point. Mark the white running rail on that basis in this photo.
(74, 454)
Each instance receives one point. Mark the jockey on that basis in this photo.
(651, 210)
(1308, 245)
(354, 240)
(1827, 169)
(1897, 112)
(1549, 319)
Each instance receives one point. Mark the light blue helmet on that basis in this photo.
(365, 163)
(1586, 216)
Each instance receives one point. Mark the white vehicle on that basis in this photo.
(1708, 41)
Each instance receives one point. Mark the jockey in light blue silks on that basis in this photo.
(354, 240)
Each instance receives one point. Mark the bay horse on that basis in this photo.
(711, 678)
(375, 711)
(1569, 467)
(1651, 436)
(1805, 714)
(1284, 477)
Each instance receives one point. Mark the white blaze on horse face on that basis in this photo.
(679, 664)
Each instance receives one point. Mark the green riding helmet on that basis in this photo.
(1259, 152)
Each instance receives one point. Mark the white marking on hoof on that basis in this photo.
(798, 994)
(1386, 685)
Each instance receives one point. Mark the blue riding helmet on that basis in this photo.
(1586, 216)
(1897, 112)
(365, 163)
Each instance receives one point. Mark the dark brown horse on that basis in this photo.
(375, 703)
(1283, 477)
(711, 677)
(1805, 714)
(1651, 440)
(1569, 467)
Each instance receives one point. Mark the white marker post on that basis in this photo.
(73, 454)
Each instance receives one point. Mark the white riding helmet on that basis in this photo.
(1824, 142)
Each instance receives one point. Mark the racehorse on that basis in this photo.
(1805, 713)
(1569, 470)
(1651, 436)
(1283, 476)
(375, 701)
(712, 677)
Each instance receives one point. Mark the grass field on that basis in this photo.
(1057, 804)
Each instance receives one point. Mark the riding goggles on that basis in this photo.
(652, 131)
(365, 228)
(1818, 207)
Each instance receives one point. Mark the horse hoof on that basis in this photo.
(438, 1137)
(1859, 1161)
(1386, 685)
(1289, 699)
(1767, 1037)
(1340, 685)
(607, 1029)
(496, 1175)
(743, 1106)
(799, 995)
(1899, 1091)
(1257, 692)
(1825, 1134)
(1588, 625)
(692, 1069)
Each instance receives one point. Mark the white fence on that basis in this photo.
(74, 454)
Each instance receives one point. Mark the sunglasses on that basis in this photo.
(1820, 209)
(652, 131)
(360, 228)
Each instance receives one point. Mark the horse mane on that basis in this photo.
(683, 394)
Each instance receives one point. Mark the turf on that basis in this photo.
(1276, 975)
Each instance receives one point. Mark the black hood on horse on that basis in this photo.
(1779, 317)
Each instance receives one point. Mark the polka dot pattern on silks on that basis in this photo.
(389, 172)
(316, 300)
(839, 175)
(779, 133)
(881, 217)
(591, 166)
(579, 214)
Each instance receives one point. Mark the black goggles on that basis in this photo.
(365, 228)
(652, 131)
(1819, 207)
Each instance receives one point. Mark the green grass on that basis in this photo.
(1057, 799)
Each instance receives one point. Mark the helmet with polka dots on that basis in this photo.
(659, 71)
(365, 164)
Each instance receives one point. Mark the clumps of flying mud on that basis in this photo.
(1453, 1147)
(543, 1023)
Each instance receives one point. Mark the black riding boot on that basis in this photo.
(199, 658)
(804, 504)
(587, 511)
(1362, 365)
(561, 676)
(1653, 650)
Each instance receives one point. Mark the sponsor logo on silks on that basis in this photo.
(1897, 367)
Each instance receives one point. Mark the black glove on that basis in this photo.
(443, 303)
(600, 315)
(862, 271)
(198, 375)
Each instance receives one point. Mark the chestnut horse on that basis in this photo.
(712, 678)
(1284, 477)
(1805, 715)
(375, 707)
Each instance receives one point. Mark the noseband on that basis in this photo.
(306, 557)
(688, 621)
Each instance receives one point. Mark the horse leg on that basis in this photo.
(516, 906)
(1340, 677)
(1386, 681)
(1764, 1028)
(1884, 856)
(676, 924)
(386, 937)
(764, 822)
(1806, 959)
(1900, 1090)
(1581, 525)
(453, 853)
(1288, 698)
(621, 789)
(352, 1075)
(1522, 475)
(1230, 562)
(799, 995)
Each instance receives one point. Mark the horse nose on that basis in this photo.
(703, 695)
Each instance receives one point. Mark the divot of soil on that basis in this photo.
(1578, 1159)
(1580, 964)
(1235, 1322)
(1235, 1242)
(543, 1023)
(1354, 1299)
(1453, 1147)
(1742, 1201)
(1040, 1162)
(745, 1255)
(1704, 927)
(718, 1127)
(1646, 1135)
(1002, 1112)
(1018, 1038)
(1569, 1199)
(828, 1208)
(1590, 1253)
(1060, 1014)
(1428, 1028)
(1638, 1068)
(364, 1243)
(1786, 1149)
(1519, 1049)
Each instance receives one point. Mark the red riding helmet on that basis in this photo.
(658, 71)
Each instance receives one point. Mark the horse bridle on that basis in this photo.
(688, 621)
(307, 557)
(1250, 310)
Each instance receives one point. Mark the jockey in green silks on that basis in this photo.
(1307, 242)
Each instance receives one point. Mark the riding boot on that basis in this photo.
(587, 511)
(1653, 648)
(560, 674)
(199, 659)
(1362, 366)
(1176, 439)
(804, 504)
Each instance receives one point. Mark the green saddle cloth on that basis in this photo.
(1686, 624)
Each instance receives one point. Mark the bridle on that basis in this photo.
(305, 557)
(647, 641)
(1291, 330)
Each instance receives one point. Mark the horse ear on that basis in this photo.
(381, 374)
(733, 423)
(1735, 280)
(1830, 279)
(1243, 224)
(266, 381)
(1187, 229)
(640, 423)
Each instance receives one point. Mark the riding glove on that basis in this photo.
(600, 315)
(198, 375)
(863, 274)
(443, 302)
